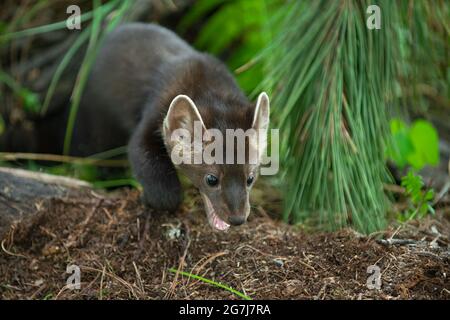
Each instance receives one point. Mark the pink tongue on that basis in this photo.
(220, 224)
(213, 218)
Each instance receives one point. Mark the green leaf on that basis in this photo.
(397, 126)
(417, 146)
(431, 210)
(419, 200)
(425, 140)
(401, 146)
(31, 101)
(429, 195)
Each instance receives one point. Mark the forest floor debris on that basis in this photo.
(124, 251)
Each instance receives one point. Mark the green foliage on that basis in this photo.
(235, 29)
(87, 172)
(425, 141)
(31, 102)
(93, 33)
(401, 145)
(5, 38)
(420, 199)
(82, 38)
(3, 26)
(29, 99)
(330, 86)
(423, 69)
(416, 146)
(93, 173)
(95, 39)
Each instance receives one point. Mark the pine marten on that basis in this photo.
(145, 84)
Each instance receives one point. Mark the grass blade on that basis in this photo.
(214, 283)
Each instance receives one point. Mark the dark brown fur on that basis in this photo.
(138, 72)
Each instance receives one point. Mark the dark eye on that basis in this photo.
(250, 180)
(211, 180)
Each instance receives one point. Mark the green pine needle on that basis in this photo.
(214, 283)
(331, 82)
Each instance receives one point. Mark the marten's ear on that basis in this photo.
(182, 114)
(261, 122)
(262, 112)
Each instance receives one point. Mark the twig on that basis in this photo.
(113, 276)
(394, 188)
(180, 264)
(442, 193)
(142, 237)
(7, 156)
(10, 253)
(208, 260)
(400, 242)
(101, 283)
(246, 66)
(139, 279)
(75, 237)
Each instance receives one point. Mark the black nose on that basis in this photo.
(236, 220)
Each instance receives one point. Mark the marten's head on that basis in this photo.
(218, 144)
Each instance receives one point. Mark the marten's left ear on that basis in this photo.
(182, 114)
(262, 112)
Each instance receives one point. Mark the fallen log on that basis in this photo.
(21, 192)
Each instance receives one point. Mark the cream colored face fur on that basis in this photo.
(227, 199)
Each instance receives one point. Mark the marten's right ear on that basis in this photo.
(182, 114)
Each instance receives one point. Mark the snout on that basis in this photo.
(236, 220)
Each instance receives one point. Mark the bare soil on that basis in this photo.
(124, 251)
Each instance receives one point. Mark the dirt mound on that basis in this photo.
(124, 251)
